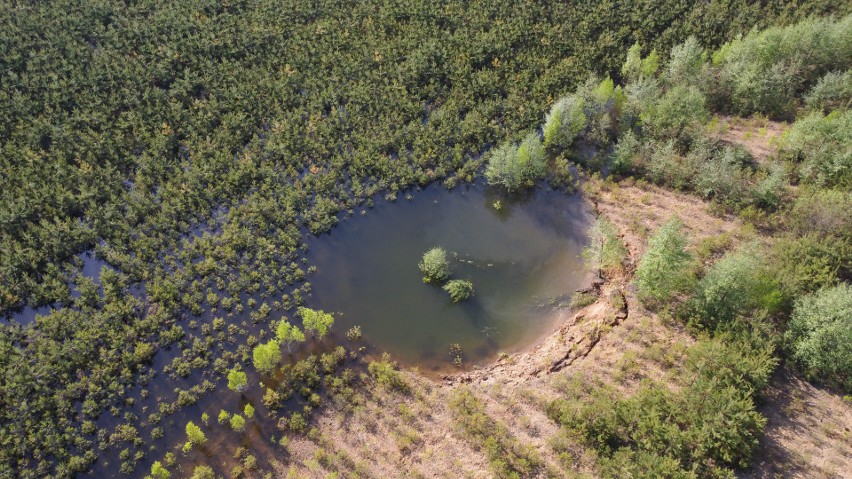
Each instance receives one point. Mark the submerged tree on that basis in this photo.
(288, 333)
(237, 380)
(459, 289)
(314, 320)
(434, 266)
(238, 423)
(194, 436)
(203, 472)
(266, 356)
(158, 471)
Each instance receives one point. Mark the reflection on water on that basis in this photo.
(522, 259)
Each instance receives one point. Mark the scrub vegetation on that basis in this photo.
(192, 146)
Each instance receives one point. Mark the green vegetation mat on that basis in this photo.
(193, 145)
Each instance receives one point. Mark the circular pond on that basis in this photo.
(523, 256)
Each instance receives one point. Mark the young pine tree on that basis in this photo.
(664, 269)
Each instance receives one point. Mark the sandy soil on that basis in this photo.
(758, 135)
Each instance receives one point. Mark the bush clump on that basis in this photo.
(508, 458)
(680, 110)
(832, 92)
(516, 166)
(435, 266)
(605, 252)
(820, 144)
(736, 285)
(763, 71)
(705, 428)
(664, 270)
(819, 335)
(564, 122)
(459, 289)
(385, 373)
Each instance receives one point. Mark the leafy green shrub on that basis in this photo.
(605, 252)
(723, 177)
(665, 166)
(805, 264)
(820, 335)
(297, 422)
(770, 189)
(625, 154)
(564, 122)
(434, 266)
(735, 285)
(237, 423)
(702, 429)
(459, 289)
(531, 158)
(731, 360)
(682, 109)
(627, 462)
(641, 97)
(604, 103)
(664, 269)
(194, 435)
(827, 213)
(203, 472)
(832, 92)
(385, 373)
(158, 471)
(821, 144)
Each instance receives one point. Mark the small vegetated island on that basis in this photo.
(171, 307)
(436, 269)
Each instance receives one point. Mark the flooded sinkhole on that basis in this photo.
(523, 257)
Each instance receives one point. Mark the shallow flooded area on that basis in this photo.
(522, 254)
